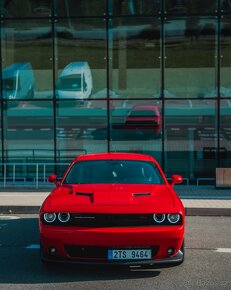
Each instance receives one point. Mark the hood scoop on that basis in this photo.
(141, 194)
(88, 194)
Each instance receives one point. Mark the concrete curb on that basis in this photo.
(189, 211)
(19, 209)
(208, 211)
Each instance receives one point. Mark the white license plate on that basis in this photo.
(131, 254)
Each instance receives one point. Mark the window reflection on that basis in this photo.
(135, 57)
(190, 138)
(136, 126)
(18, 81)
(68, 8)
(27, 59)
(77, 123)
(25, 8)
(190, 56)
(225, 90)
(225, 5)
(0, 135)
(190, 6)
(29, 132)
(134, 7)
(75, 81)
(81, 61)
(225, 133)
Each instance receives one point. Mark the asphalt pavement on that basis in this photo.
(207, 263)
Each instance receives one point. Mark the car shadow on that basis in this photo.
(20, 260)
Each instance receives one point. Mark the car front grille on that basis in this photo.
(98, 252)
(111, 220)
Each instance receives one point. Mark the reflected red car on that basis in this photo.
(113, 208)
(145, 120)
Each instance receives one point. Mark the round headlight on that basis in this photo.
(173, 218)
(64, 217)
(49, 217)
(159, 217)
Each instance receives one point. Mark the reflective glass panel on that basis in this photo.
(25, 8)
(225, 71)
(81, 59)
(134, 7)
(190, 138)
(135, 57)
(190, 6)
(225, 5)
(0, 132)
(225, 133)
(190, 57)
(68, 8)
(77, 129)
(136, 126)
(27, 59)
(29, 136)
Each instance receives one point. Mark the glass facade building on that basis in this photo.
(89, 76)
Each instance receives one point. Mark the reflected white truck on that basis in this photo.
(18, 81)
(75, 81)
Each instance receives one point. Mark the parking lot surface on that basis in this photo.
(207, 264)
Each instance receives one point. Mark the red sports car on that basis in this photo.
(145, 121)
(114, 208)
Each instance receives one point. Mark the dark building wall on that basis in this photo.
(94, 76)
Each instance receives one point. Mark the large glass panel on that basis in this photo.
(0, 132)
(190, 6)
(134, 7)
(135, 57)
(1, 173)
(225, 81)
(68, 8)
(25, 8)
(29, 137)
(27, 59)
(77, 127)
(136, 126)
(190, 57)
(225, 5)
(81, 59)
(225, 133)
(190, 138)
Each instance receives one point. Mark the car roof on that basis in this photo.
(144, 107)
(74, 67)
(114, 156)
(11, 70)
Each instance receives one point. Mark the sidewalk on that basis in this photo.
(198, 200)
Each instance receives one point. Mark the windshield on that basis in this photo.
(9, 84)
(114, 171)
(143, 113)
(70, 83)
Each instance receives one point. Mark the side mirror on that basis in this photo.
(53, 179)
(176, 179)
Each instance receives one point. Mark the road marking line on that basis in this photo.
(33, 246)
(4, 217)
(223, 250)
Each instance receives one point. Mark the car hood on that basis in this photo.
(141, 195)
